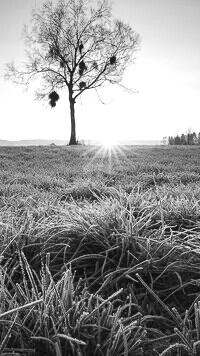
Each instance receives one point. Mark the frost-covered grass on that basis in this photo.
(100, 251)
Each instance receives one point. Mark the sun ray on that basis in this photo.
(108, 152)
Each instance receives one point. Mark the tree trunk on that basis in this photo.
(73, 124)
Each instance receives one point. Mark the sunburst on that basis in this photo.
(108, 150)
(109, 143)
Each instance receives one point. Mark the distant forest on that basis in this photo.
(190, 138)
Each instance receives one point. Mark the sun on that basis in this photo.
(108, 142)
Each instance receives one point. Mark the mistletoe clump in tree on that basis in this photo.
(77, 47)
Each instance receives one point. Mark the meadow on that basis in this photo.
(100, 250)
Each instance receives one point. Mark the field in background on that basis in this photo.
(100, 250)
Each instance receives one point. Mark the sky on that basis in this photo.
(166, 76)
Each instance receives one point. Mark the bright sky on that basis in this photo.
(166, 74)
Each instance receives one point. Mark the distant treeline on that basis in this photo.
(191, 138)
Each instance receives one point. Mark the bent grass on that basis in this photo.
(95, 269)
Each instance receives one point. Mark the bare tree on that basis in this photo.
(75, 46)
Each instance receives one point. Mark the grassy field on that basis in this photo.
(100, 251)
